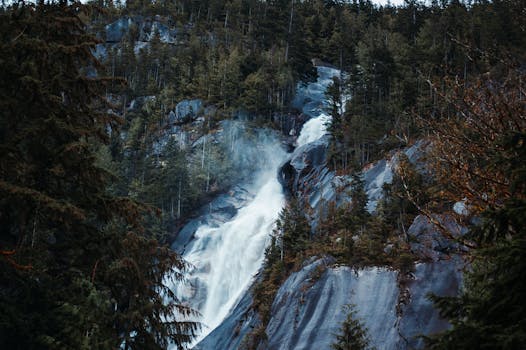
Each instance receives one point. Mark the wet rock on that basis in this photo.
(231, 333)
(419, 316)
(223, 208)
(305, 165)
(311, 99)
(309, 306)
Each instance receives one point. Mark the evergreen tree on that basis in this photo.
(490, 312)
(294, 228)
(358, 213)
(352, 335)
(77, 271)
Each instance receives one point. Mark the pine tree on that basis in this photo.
(352, 335)
(358, 212)
(294, 228)
(76, 270)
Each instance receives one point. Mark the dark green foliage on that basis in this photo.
(353, 334)
(358, 212)
(282, 257)
(490, 312)
(237, 55)
(395, 209)
(77, 270)
(294, 229)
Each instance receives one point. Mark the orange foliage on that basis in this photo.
(7, 255)
(474, 148)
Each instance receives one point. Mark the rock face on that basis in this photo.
(381, 172)
(187, 110)
(183, 125)
(115, 31)
(232, 332)
(310, 306)
(305, 166)
(419, 317)
(428, 243)
(375, 177)
(311, 99)
(220, 210)
(307, 177)
(149, 27)
(309, 309)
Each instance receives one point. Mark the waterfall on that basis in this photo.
(312, 101)
(226, 257)
(313, 129)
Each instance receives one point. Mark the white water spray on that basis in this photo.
(313, 129)
(313, 102)
(225, 258)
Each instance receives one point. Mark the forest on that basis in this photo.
(112, 137)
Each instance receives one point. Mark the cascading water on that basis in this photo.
(313, 129)
(226, 257)
(312, 101)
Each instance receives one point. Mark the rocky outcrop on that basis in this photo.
(233, 331)
(117, 30)
(419, 316)
(186, 110)
(304, 166)
(428, 243)
(307, 177)
(311, 99)
(223, 208)
(310, 306)
(381, 172)
(395, 309)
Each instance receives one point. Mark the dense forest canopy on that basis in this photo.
(88, 202)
